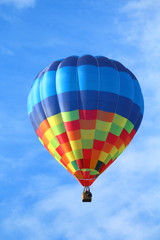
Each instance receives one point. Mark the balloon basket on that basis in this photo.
(86, 195)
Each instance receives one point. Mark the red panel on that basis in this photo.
(72, 125)
(86, 163)
(132, 133)
(63, 162)
(124, 134)
(60, 151)
(80, 163)
(86, 174)
(111, 138)
(39, 132)
(86, 183)
(88, 114)
(98, 144)
(87, 153)
(62, 138)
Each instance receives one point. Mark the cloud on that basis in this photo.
(19, 3)
(125, 202)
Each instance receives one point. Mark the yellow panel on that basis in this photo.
(78, 154)
(49, 134)
(103, 126)
(70, 156)
(113, 151)
(77, 144)
(119, 120)
(121, 149)
(103, 156)
(71, 167)
(55, 120)
(51, 148)
(87, 134)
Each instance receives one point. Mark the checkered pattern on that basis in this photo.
(85, 130)
(86, 147)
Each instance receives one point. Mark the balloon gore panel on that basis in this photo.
(85, 111)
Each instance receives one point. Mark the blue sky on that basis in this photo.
(38, 198)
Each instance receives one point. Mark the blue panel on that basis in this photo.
(107, 101)
(134, 115)
(105, 62)
(124, 106)
(51, 106)
(68, 101)
(37, 115)
(88, 100)
(85, 100)
(33, 121)
(66, 80)
(122, 68)
(34, 96)
(138, 96)
(68, 62)
(138, 122)
(109, 80)
(126, 85)
(47, 85)
(54, 66)
(88, 77)
(87, 60)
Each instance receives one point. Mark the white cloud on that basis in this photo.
(19, 3)
(125, 203)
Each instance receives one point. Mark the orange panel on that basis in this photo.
(66, 147)
(118, 143)
(74, 135)
(107, 147)
(44, 125)
(105, 116)
(87, 124)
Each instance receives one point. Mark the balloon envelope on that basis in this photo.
(85, 111)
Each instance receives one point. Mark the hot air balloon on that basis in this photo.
(85, 111)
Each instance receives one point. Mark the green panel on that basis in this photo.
(107, 159)
(100, 135)
(129, 126)
(58, 129)
(93, 172)
(115, 129)
(70, 116)
(119, 120)
(87, 143)
(78, 154)
(74, 164)
(54, 143)
(87, 134)
(116, 155)
(57, 156)
(103, 126)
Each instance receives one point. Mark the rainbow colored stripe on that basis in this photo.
(85, 111)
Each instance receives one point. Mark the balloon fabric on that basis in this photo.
(85, 111)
